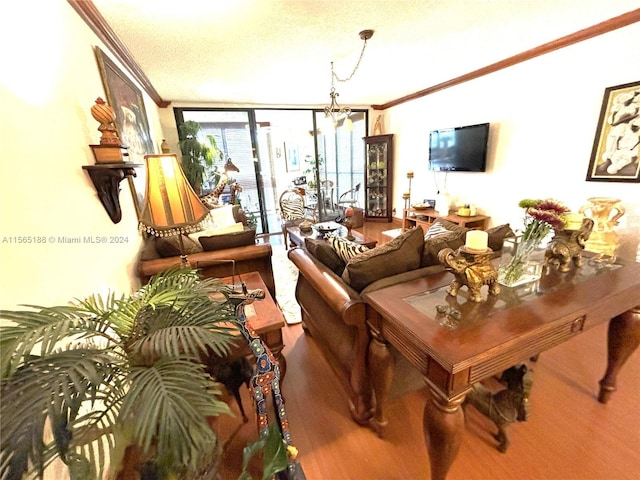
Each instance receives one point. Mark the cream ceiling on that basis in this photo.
(278, 52)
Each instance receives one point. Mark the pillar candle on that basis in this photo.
(573, 221)
(477, 240)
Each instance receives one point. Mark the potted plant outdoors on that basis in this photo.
(119, 381)
(196, 155)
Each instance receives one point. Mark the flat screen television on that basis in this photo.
(459, 149)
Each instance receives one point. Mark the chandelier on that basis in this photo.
(334, 113)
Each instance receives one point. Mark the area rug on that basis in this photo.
(285, 274)
(392, 233)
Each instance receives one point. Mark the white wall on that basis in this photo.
(544, 114)
(48, 83)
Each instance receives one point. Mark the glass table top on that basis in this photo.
(455, 312)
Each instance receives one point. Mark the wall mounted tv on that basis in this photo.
(460, 149)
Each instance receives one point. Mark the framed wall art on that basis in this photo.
(131, 120)
(293, 158)
(614, 157)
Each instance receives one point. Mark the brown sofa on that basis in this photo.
(215, 256)
(329, 292)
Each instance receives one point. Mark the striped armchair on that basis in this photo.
(293, 210)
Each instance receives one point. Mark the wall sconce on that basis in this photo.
(111, 161)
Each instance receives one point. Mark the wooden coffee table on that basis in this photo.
(264, 316)
(454, 353)
(296, 237)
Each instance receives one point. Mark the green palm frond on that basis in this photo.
(56, 388)
(92, 369)
(177, 396)
(45, 330)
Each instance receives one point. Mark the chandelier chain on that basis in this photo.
(355, 69)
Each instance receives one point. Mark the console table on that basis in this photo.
(488, 337)
(413, 217)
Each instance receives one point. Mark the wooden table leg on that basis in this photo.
(623, 339)
(360, 404)
(443, 424)
(382, 367)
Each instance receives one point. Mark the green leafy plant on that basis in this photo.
(117, 379)
(196, 155)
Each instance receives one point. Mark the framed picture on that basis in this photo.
(293, 159)
(131, 120)
(614, 157)
(138, 186)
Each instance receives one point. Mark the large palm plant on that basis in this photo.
(105, 375)
(196, 155)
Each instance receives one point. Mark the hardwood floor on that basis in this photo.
(569, 435)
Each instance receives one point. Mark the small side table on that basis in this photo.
(264, 316)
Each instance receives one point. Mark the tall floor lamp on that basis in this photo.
(171, 207)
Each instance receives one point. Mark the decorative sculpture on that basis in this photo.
(567, 245)
(212, 199)
(471, 269)
(106, 116)
(505, 406)
(265, 382)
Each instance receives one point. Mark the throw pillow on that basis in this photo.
(222, 217)
(149, 250)
(497, 236)
(436, 228)
(170, 246)
(325, 253)
(345, 249)
(452, 227)
(433, 245)
(401, 254)
(239, 215)
(228, 240)
(236, 227)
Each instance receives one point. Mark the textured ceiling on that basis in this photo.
(278, 52)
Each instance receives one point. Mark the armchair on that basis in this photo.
(293, 210)
(350, 197)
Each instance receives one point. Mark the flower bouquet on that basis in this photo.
(541, 216)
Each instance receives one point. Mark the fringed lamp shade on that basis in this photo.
(171, 207)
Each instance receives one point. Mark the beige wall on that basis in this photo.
(48, 83)
(543, 116)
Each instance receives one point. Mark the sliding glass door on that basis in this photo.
(275, 149)
(340, 153)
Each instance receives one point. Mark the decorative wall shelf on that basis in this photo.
(106, 179)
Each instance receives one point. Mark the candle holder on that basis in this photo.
(349, 224)
(406, 196)
(471, 268)
(567, 245)
(410, 177)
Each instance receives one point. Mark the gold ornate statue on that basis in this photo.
(567, 245)
(471, 269)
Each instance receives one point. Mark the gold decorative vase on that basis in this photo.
(605, 213)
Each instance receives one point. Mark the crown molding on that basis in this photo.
(599, 29)
(97, 23)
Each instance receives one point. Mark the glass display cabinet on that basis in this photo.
(378, 178)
